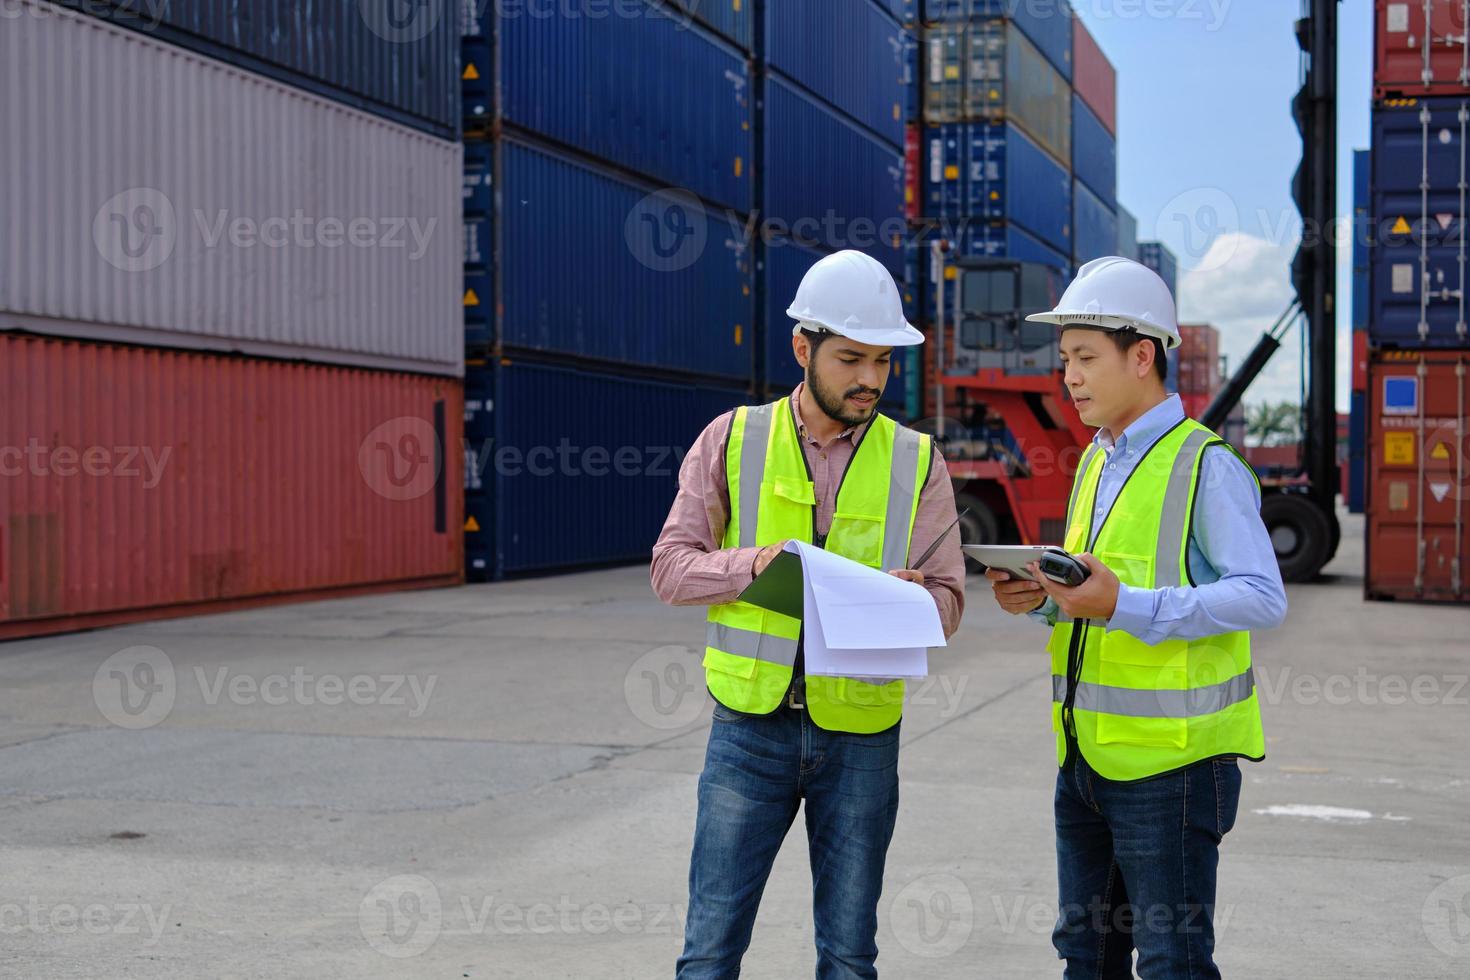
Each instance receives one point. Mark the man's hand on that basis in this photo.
(767, 555)
(1097, 598)
(908, 575)
(1015, 595)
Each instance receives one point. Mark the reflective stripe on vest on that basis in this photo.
(749, 643)
(1189, 703)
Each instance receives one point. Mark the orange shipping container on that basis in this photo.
(1418, 478)
(141, 482)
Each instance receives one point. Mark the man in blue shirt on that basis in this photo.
(1147, 741)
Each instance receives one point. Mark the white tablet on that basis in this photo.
(1012, 558)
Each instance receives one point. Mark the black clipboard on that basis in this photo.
(780, 587)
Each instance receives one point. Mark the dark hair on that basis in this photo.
(1125, 339)
(816, 338)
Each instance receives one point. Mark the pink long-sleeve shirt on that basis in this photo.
(690, 568)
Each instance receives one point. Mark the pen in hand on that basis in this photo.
(935, 546)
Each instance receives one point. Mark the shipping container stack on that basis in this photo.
(610, 292)
(643, 193)
(834, 79)
(994, 153)
(1417, 350)
(231, 349)
(1094, 150)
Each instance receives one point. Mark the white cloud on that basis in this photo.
(1242, 285)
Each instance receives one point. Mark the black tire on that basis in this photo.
(1301, 534)
(979, 526)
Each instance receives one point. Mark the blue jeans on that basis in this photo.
(1136, 869)
(757, 770)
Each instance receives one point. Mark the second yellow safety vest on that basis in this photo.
(1137, 710)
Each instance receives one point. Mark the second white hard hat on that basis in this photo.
(1114, 293)
(853, 294)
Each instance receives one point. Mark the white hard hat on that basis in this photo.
(1114, 293)
(852, 294)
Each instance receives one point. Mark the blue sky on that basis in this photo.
(1207, 148)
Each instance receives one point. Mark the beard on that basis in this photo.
(834, 404)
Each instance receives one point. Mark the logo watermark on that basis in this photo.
(96, 919)
(138, 688)
(401, 458)
(145, 463)
(1446, 917)
(138, 230)
(403, 916)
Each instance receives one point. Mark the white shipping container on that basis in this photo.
(150, 195)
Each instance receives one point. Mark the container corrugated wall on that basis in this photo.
(1048, 23)
(605, 496)
(1127, 234)
(1094, 77)
(733, 19)
(1094, 225)
(593, 266)
(201, 206)
(988, 71)
(142, 482)
(398, 63)
(1417, 279)
(1157, 257)
(849, 52)
(829, 180)
(1419, 481)
(641, 92)
(1399, 43)
(1094, 154)
(1006, 239)
(995, 171)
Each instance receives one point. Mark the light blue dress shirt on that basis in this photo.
(1230, 554)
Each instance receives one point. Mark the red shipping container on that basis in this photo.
(1360, 360)
(138, 483)
(1400, 43)
(1418, 478)
(1094, 77)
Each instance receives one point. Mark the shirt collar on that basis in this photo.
(801, 426)
(1147, 428)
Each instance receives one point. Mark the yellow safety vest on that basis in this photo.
(750, 652)
(1137, 710)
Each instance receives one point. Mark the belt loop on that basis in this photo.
(795, 693)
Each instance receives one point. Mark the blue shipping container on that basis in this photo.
(584, 466)
(1157, 257)
(786, 263)
(1362, 232)
(1094, 154)
(1416, 279)
(1094, 225)
(1048, 23)
(595, 266)
(995, 171)
(848, 52)
(400, 64)
(640, 92)
(1007, 240)
(731, 18)
(1127, 235)
(829, 181)
(479, 497)
(1357, 452)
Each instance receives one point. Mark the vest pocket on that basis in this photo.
(725, 663)
(861, 537)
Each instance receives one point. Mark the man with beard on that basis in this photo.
(824, 467)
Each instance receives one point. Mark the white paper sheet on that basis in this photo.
(863, 623)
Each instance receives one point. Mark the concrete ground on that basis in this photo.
(498, 782)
